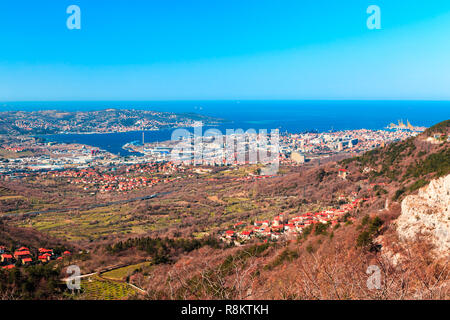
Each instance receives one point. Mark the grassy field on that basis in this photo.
(238, 205)
(122, 273)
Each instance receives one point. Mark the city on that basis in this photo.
(23, 155)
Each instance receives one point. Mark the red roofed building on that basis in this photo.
(43, 250)
(44, 258)
(229, 234)
(21, 254)
(9, 267)
(245, 234)
(277, 228)
(343, 173)
(26, 261)
(289, 226)
(6, 257)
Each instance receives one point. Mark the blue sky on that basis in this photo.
(224, 49)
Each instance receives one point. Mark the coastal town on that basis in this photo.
(24, 155)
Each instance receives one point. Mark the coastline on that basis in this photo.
(128, 131)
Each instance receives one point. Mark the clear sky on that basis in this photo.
(224, 49)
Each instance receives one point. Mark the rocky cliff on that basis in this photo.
(428, 214)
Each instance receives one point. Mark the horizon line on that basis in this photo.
(224, 100)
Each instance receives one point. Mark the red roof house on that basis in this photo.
(21, 254)
(9, 267)
(43, 250)
(6, 257)
(44, 258)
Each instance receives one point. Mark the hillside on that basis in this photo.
(329, 262)
(179, 231)
(13, 237)
(326, 264)
(407, 165)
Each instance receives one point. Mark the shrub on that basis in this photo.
(364, 239)
(418, 184)
(398, 193)
(321, 228)
(285, 255)
(306, 231)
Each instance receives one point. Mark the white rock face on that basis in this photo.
(428, 214)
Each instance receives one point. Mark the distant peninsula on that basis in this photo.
(101, 121)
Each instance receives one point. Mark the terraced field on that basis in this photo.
(122, 273)
(86, 225)
(96, 288)
(207, 208)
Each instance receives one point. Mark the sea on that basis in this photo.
(286, 115)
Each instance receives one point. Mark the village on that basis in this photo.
(289, 227)
(23, 256)
(122, 179)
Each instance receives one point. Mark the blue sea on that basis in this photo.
(290, 116)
